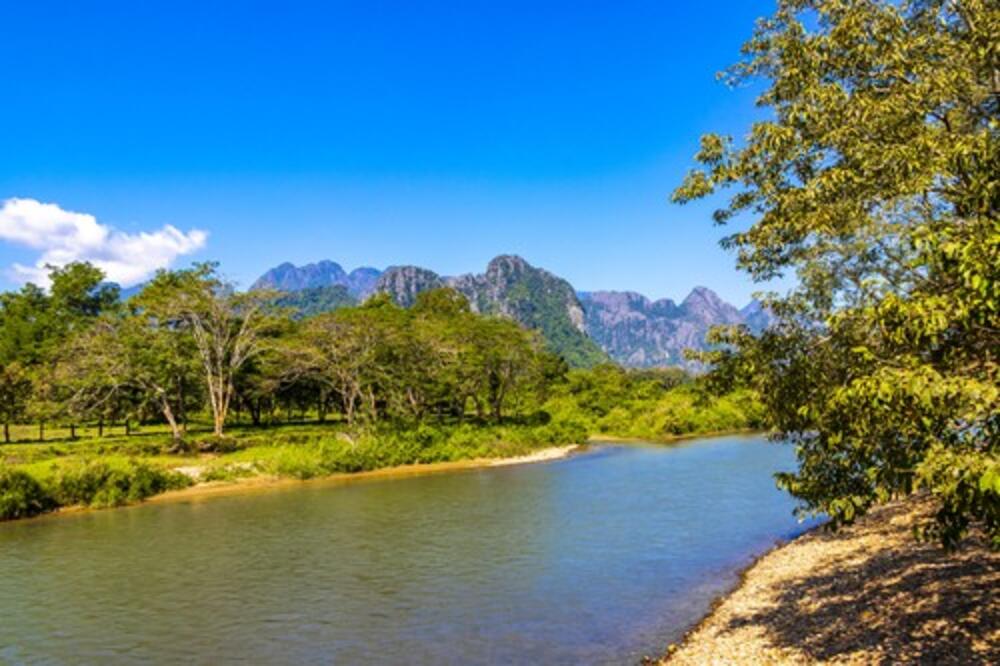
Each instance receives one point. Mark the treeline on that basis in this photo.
(652, 404)
(189, 344)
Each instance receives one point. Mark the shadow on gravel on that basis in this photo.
(898, 602)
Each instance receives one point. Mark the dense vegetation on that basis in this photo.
(652, 404)
(876, 180)
(189, 379)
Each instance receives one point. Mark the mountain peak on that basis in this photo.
(510, 287)
(507, 265)
(702, 295)
(705, 306)
(403, 283)
(325, 273)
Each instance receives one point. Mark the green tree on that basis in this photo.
(339, 351)
(876, 180)
(136, 358)
(15, 391)
(33, 323)
(229, 329)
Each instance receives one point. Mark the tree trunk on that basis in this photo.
(218, 422)
(128, 430)
(100, 428)
(168, 414)
(72, 431)
(6, 433)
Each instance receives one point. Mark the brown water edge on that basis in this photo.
(264, 482)
(868, 593)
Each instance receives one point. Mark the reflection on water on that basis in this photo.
(599, 558)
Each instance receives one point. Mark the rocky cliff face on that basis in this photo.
(510, 287)
(287, 277)
(403, 283)
(638, 332)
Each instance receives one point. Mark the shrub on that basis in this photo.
(100, 484)
(21, 495)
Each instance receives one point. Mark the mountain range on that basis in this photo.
(584, 327)
(288, 277)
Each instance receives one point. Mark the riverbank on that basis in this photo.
(262, 481)
(106, 472)
(267, 482)
(867, 594)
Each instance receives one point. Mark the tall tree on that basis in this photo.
(228, 328)
(350, 352)
(876, 180)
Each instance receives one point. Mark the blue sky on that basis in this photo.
(371, 133)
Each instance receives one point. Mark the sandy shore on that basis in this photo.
(869, 594)
(258, 483)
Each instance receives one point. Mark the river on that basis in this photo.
(602, 557)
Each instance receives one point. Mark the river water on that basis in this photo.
(602, 557)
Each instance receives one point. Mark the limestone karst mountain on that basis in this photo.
(585, 327)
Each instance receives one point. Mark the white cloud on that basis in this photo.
(63, 237)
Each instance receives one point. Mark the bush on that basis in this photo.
(21, 495)
(100, 484)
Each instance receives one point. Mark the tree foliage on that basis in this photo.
(437, 358)
(876, 180)
(228, 328)
(189, 342)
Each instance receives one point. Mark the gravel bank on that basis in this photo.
(869, 594)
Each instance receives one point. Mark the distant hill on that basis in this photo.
(641, 333)
(513, 288)
(288, 277)
(585, 328)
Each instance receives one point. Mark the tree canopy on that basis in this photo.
(874, 179)
(189, 342)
